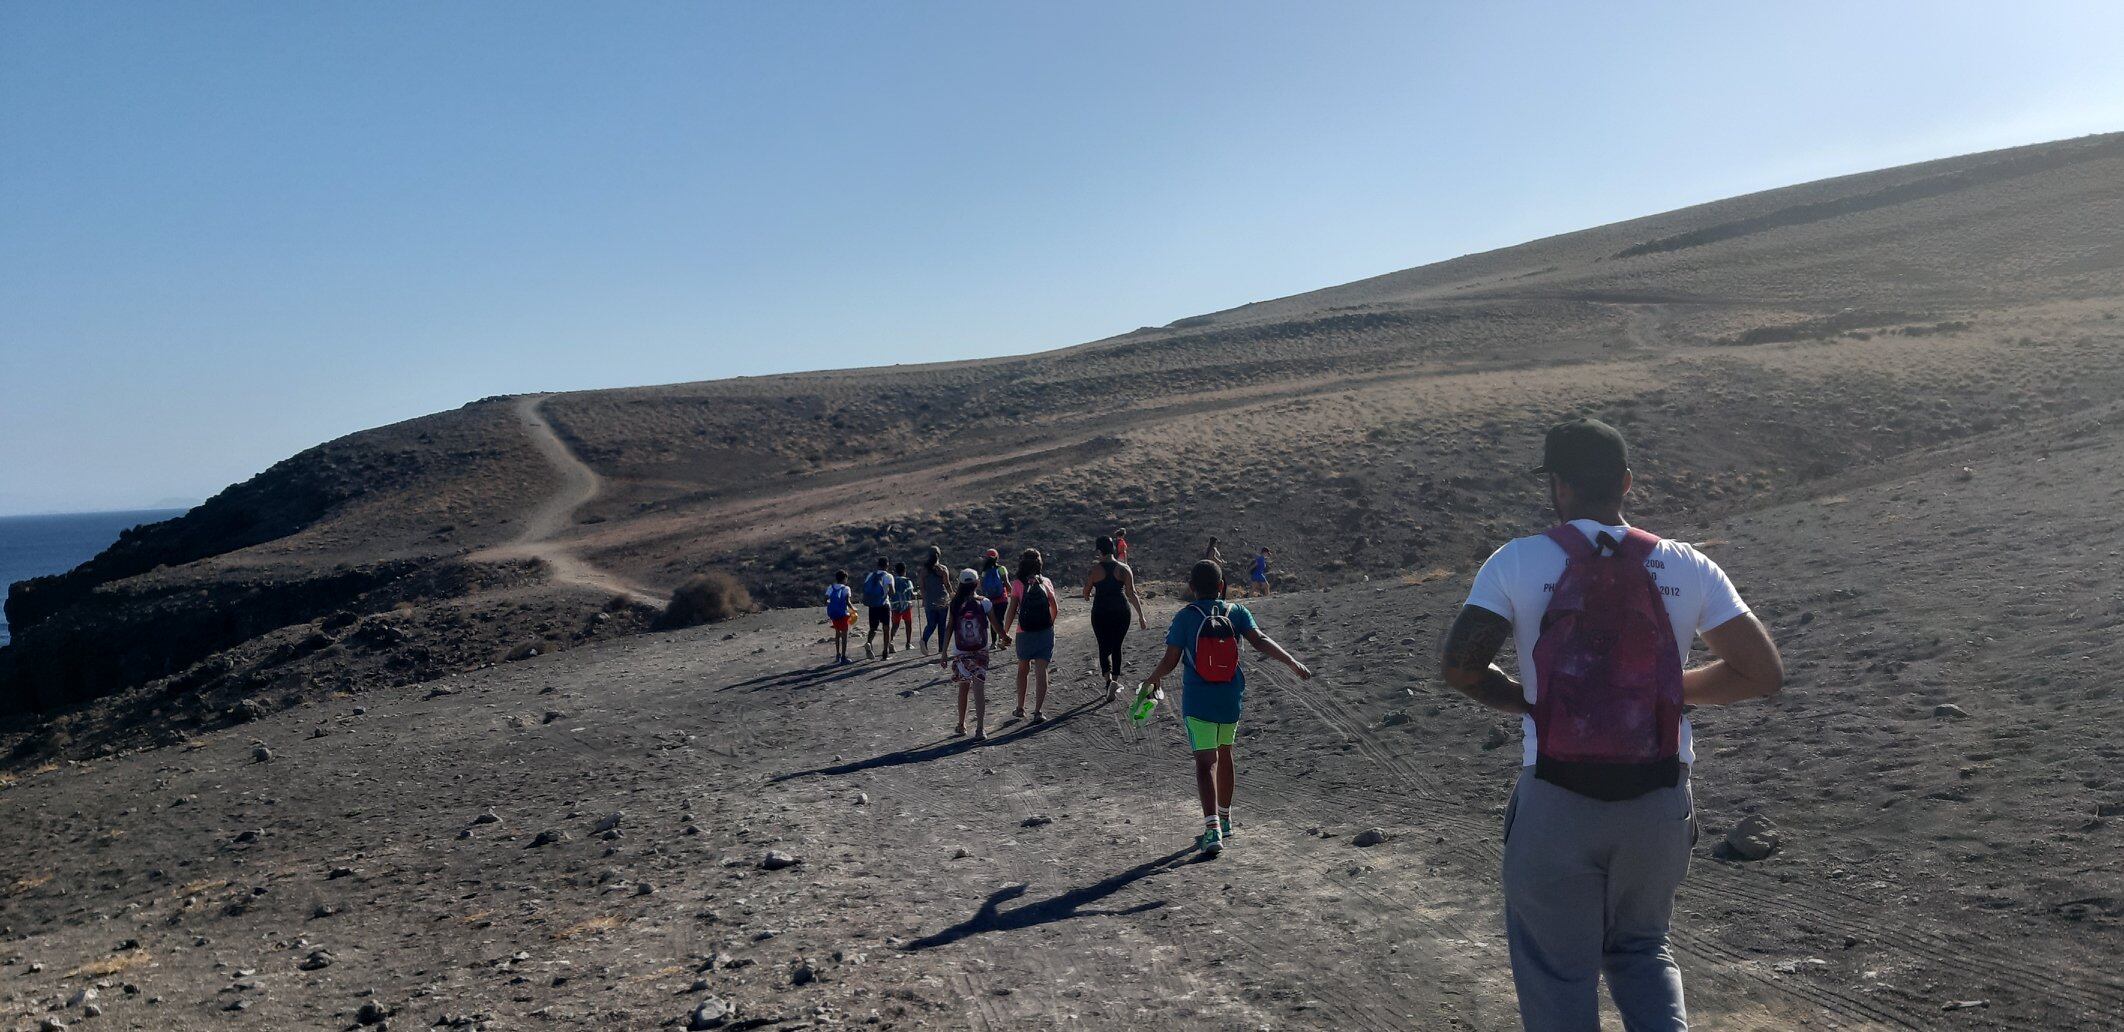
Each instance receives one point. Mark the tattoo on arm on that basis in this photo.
(1468, 660)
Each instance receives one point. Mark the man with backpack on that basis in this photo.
(877, 598)
(1600, 824)
(1206, 634)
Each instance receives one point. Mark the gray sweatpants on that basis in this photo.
(1589, 887)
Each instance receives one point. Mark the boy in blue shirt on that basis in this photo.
(840, 611)
(1210, 706)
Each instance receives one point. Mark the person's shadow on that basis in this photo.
(822, 674)
(924, 754)
(992, 918)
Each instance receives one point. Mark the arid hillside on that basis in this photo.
(715, 828)
(1753, 347)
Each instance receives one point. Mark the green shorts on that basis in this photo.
(1203, 734)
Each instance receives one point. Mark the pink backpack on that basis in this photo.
(1607, 713)
(973, 626)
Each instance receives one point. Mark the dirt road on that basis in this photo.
(545, 524)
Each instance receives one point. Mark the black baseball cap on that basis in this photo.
(1584, 451)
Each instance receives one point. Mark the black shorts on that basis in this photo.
(881, 614)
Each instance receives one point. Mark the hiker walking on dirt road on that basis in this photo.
(1034, 604)
(1206, 635)
(1111, 586)
(877, 598)
(903, 602)
(995, 587)
(1257, 575)
(840, 612)
(1212, 555)
(936, 598)
(964, 650)
(1599, 827)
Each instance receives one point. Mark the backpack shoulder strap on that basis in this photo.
(1574, 543)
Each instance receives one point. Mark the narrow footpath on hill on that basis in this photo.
(544, 525)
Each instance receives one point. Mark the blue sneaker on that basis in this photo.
(1211, 842)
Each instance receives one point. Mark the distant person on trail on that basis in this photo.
(936, 598)
(995, 587)
(1033, 607)
(840, 611)
(1121, 544)
(1111, 586)
(1599, 827)
(1211, 554)
(1257, 576)
(963, 650)
(903, 600)
(1206, 633)
(877, 597)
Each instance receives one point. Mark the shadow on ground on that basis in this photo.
(992, 918)
(926, 753)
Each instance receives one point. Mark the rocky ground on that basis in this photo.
(712, 822)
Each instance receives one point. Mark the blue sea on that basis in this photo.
(33, 546)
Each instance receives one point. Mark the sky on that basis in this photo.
(230, 231)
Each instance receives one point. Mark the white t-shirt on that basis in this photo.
(1516, 581)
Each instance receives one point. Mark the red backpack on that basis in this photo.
(1607, 710)
(1215, 656)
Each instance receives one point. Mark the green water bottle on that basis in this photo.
(1147, 700)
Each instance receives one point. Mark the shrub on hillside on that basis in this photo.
(705, 599)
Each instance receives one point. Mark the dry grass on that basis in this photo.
(592, 926)
(202, 885)
(1427, 576)
(706, 598)
(112, 965)
(22, 885)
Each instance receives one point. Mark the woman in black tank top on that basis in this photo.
(1111, 586)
